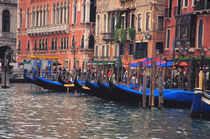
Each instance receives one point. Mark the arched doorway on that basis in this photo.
(6, 21)
(91, 42)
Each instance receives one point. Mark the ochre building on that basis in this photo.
(131, 29)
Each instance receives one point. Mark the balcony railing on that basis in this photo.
(108, 36)
(47, 30)
(8, 35)
(202, 5)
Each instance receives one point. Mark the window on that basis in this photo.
(73, 41)
(75, 11)
(19, 45)
(61, 13)
(37, 16)
(131, 49)
(35, 45)
(170, 8)
(185, 3)
(103, 51)
(92, 10)
(46, 44)
(121, 49)
(98, 24)
(27, 22)
(123, 22)
(40, 44)
(147, 21)
(33, 17)
(159, 45)
(107, 51)
(52, 44)
(84, 10)
(96, 51)
(40, 24)
(132, 20)
(43, 47)
(28, 47)
(104, 23)
(56, 43)
(141, 50)
(168, 38)
(139, 22)
(67, 43)
(91, 42)
(82, 42)
(64, 41)
(160, 23)
(6, 21)
(61, 43)
(200, 33)
(20, 18)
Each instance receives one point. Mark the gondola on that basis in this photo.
(63, 81)
(82, 88)
(201, 104)
(96, 90)
(172, 98)
(54, 85)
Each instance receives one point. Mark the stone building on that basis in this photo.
(8, 24)
(62, 28)
(131, 29)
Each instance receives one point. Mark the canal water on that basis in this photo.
(29, 112)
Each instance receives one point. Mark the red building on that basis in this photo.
(61, 28)
(187, 27)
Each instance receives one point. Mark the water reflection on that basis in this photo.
(28, 112)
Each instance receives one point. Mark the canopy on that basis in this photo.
(25, 62)
(182, 64)
(101, 62)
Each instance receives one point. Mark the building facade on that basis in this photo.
(8, 23)
(187, 27)
(131, 29)
(62, 28)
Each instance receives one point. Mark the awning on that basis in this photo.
(25, 62)
(101, 62)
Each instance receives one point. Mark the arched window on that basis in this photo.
(64, 42)
(44, 16)
(98, 24)
(40, 44)
(20, 18)
(82, 42)
(19, 45)
(61, 43)
(61, 13)
(33, 17)
(64, 12)
(73, 41)
(35, 45)
(6, 21)
(200, 33)
(45, 44)
(27, 24)
(37, 16)
(28, 48)
(92, 10)
(96, 51)
(84, 10)
(53, 13)
(91, 42)
(57, 14)
(67, 43)
(56, 43)
(52, 44)
(43, 47)
(75, 11)
(40, 20)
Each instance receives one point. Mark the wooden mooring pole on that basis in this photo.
(160, 102)
(128, 76)
(144, 97)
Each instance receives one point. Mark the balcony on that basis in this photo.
(202, 5)
(108, 36)
(48, 30)
(8, 35)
